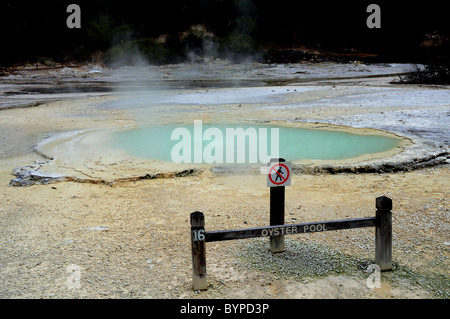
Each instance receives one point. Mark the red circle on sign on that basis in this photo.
(283, 179)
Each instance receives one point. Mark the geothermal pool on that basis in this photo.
(245, 143)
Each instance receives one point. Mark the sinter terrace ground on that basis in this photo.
(132, 239)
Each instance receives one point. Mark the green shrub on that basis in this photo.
(139, 51)
(241, 44)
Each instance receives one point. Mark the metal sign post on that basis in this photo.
(278, 176)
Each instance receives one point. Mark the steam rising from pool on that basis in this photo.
(151, 97)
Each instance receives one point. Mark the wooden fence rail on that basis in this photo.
(382, 223)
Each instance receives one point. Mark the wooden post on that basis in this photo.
(383, 233)
(277, 199)
(198, 251)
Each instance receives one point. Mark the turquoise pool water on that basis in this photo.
(227, 143)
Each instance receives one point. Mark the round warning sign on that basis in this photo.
(279, 174)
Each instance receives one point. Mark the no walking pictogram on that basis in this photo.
(279, 174)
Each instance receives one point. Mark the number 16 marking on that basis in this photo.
(199, 235)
